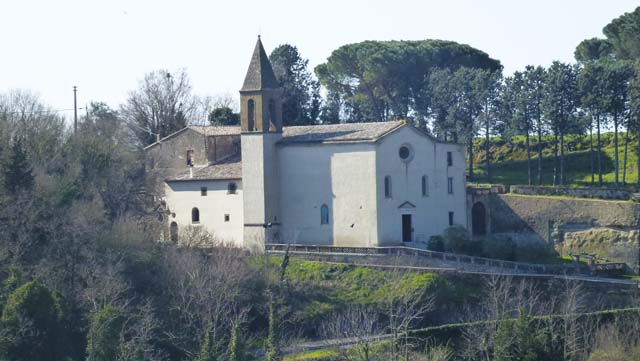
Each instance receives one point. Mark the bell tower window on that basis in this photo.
(251, 111)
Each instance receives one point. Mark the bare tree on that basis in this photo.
(358, 324)
(161, 105)
(205, 290)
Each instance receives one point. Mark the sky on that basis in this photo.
(106, 46)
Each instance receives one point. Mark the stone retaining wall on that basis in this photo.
(608, 229)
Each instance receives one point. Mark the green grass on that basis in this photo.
(356, 284)
(509, 165)
(317, 289)
(313, 355)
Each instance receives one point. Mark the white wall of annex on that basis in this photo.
(182, 197)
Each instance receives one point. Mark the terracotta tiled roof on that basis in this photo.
(230, 168)
(348, 132)
(216, 130)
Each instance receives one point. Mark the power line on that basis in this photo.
(42, 111)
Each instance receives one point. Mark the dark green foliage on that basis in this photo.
(436, 243)
(500, 248)
(456, 239)
(103, 341)
(381, 80)
(521, 339)
(624, 34)
(224, 116)
(31, 319)
(208, 350)
(592, 49)
(301, 97)
(18, 172)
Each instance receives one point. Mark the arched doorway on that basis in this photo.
(173, 229)
(479, 219)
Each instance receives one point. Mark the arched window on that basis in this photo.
(251, 110)
(272, 113)
(231, 188)
(387, 187)
(195, 215)
(324, 214)
(425, 186)
(173, 229)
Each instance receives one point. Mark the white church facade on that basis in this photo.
(354, 184)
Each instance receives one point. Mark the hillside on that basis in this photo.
(509, 164)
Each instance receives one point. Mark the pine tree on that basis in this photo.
(208, 350)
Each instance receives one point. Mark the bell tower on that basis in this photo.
(260, 96)
(261, 126)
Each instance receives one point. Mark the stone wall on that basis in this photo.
(609, 229)
(601, 193)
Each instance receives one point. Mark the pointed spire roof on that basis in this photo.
(260, 74)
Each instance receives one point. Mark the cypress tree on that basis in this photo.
(236, 346)
(208, 350)
(17, 174)
(273, 340)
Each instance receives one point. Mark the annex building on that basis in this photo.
(354, 184)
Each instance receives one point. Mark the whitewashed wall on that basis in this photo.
(430, 215)
(342, 176)
(182, 196)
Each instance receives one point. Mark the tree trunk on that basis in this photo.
(487, 151)
(539, 155)
(555, 158)
(624, 157)
(615, 147)
(599, 152)
(562, 158)
(470, 145)
(591, 154)
(528, 157)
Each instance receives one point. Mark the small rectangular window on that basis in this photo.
(450, 185)
(449, 159)
(451, 218)
(203, 191)
(226, 218)
(425, 186)
(190, 157)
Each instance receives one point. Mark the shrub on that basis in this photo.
(498, 247)
(436, 243)
(456, 238)
(103, 340)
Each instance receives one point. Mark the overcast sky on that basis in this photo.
(106, 46)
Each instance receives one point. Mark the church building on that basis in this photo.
(354, 184)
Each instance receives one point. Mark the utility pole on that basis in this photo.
(75, 110)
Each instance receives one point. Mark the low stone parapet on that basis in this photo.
(583, 192)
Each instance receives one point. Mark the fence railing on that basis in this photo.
(511, 266)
